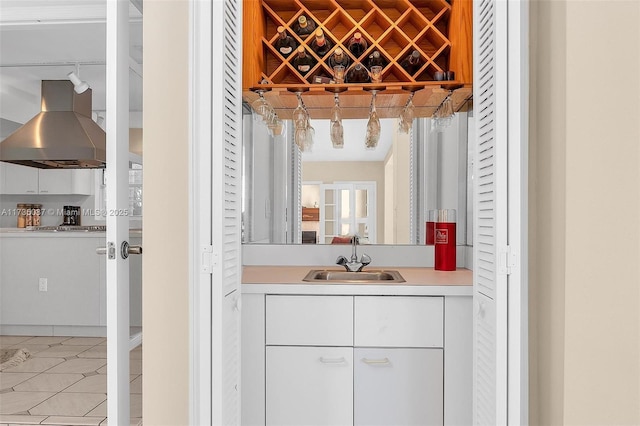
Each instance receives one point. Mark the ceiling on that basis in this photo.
(354, 135)
(47, 39)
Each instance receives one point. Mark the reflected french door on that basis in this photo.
(347, 208)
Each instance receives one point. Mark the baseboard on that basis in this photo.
(53, 330)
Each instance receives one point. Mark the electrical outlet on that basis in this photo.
(42, 284)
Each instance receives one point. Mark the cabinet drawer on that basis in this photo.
(309, 320)
(392, 321)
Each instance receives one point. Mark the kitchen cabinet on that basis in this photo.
(355, 359)
(23, 180)
(74, 181)
(74, 302)
(74, 275)
(18, 179)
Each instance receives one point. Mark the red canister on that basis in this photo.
(445, 240)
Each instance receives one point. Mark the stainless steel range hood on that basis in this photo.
(63, 135)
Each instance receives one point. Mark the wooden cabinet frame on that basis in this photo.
(440, 31)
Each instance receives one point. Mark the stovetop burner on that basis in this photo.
(66, 228)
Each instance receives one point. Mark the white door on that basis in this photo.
(499, 385)
(215, 211)
(348, 208)
(119, 339)
(398, 386)
(310, 385)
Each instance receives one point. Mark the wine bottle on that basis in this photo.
(304, 26)
(303, 62)
(357, 74)
(412, 62)
(285, 43)
(357, 45)
(376, 59)
(339, 58)
(320, 44)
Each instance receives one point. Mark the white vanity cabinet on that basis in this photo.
(309, 360)
(398, 360)
(355, 359)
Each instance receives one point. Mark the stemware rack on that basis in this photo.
(439, 30)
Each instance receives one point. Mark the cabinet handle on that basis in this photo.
(30, 191)
(376, 361)
(340, 360)
(43, 191)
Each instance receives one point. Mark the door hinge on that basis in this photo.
(209, 259)
(507, 260)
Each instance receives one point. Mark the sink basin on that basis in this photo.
(370, 276)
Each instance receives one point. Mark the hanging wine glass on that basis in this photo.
(276, 126)
(311, 132)
(300, 124)
(373, 125)
(300, 137)
(406, 117)
(260, 105)
(446, 113)
(299, 114)
(337, 131)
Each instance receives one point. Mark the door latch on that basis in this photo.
(109, 250)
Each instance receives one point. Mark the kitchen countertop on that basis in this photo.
(418, 281)
(26, 233)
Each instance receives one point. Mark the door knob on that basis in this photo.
(126, 249)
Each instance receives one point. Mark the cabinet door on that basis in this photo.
(82, 181)
(398, 386)
(18, 179)
(309, 386)
(55, 181)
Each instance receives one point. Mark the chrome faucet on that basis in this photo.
(354, 265)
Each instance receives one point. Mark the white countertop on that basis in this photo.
(418, 281)
(25, 233)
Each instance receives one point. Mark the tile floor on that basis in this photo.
(63, 383)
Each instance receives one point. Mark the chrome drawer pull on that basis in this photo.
(340, 360)
(382, 361)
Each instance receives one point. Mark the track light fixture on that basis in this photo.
(78, 85)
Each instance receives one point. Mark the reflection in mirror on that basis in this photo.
(323, 196)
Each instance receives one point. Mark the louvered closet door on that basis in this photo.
(226, 208)
(490, 195)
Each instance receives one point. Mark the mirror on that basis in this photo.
(319, 197)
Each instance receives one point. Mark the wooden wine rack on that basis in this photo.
(438, 30)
